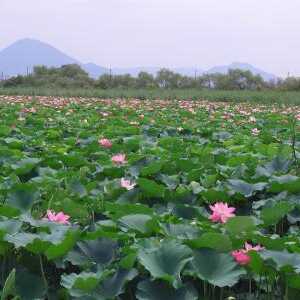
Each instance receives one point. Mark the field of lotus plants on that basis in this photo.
(148, 200)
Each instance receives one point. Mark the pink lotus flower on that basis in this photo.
(298, 117)
(119, 159)
(255, 131)
(127, 184)
(241, 257)
(106, 143)
(60, 217)
(221, 212)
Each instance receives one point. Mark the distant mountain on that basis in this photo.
(243, 66)
(94, 70)
(27, 53)
(23, 55)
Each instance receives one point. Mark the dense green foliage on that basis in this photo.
(72, 76)
(67, 76)
(154, 241)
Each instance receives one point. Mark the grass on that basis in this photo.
(268, 97)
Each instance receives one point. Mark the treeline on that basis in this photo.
(72, 76)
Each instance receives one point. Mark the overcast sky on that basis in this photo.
(171, 33)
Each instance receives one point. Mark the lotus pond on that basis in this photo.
(148, 200)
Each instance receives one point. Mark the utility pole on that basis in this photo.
(110, 76)
(209, 81)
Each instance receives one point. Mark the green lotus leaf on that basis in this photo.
(166, 262)
(155, 290)
(150, 188)
(219, 269)
(22, 196)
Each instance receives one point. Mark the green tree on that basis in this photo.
(145, 80)
(167, 79)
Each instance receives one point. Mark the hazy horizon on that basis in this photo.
(169, 33)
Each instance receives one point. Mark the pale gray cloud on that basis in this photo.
(199, 33)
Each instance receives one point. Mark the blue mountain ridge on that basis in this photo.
(23, 55)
